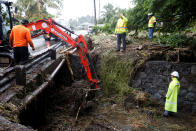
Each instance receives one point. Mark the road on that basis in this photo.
(40, 45)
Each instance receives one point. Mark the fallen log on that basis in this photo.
(182, 49)
(159, 47)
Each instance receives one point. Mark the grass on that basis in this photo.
(115, 73)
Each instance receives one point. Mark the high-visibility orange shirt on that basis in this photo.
(20, 36)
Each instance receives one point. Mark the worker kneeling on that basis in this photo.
(172, 95)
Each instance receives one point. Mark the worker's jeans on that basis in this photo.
(150, 33)
(21, 55)
(121, 37)
(167, 113)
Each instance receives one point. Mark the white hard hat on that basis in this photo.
(175, 73)
(150, 14)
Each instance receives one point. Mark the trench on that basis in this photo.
(38, 113)
(57, 106)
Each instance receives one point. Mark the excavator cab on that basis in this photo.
(6, 53)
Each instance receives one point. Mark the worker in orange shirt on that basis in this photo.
(19, 38)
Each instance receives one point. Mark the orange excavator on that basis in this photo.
(49, 26)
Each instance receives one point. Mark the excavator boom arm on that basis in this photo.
(50, 26)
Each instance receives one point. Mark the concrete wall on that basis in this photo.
(154, 79)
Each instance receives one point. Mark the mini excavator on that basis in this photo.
(49, 26)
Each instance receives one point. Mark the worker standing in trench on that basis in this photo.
(120, 31)
(19, 38)
(172, 95)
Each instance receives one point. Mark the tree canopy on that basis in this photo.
(36, 9)
(173, 14)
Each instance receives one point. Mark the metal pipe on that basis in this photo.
(37, 60)
(6, 71)
(56, 70)
(7, 79)
(30, 97)
(58, 45)
(5, 88)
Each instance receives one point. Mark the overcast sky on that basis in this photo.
(78, 8)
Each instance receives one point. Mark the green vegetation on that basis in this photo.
(115, 73)
(35, 9)
(174, 17)
(106, 28)
(176, 40)
(110, 15)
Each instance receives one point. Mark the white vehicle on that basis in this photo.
(90, 29)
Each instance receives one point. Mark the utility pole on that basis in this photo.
(95, 19)
(99, 10)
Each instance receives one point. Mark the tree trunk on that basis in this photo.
(39, 8)
(136, 32)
